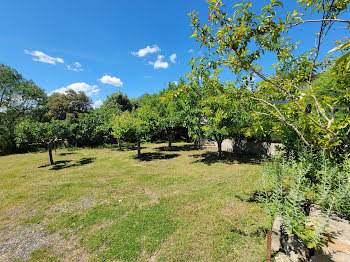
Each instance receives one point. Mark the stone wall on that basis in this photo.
(245, 147)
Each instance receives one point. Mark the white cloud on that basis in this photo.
(88, 89)
(159, 63)
(111, 80)
(76, 66)
(173, 58)
(191, 51)
(147, 50)
(97, 103)
(42, 57)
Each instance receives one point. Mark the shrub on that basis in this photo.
(292, 185)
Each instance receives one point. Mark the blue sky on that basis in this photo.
(103, 46)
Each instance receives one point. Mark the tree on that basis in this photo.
(144, 125)
(222, 113)
(137, 125)
(71, 105)
(240, 42)
(118, 100)
(123, 126)
(20, 99)
(191, 113)
(170, 113)
(47, 134)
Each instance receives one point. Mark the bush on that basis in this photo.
(292, 185)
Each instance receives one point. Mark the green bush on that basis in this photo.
(292, 185)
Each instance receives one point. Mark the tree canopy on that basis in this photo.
(20, 99)
(71, 105)
(239, 40)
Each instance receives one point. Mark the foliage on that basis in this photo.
(122, 127)
(47, 134)
(239, 41)
(292, 186)
(191, 113)
(94, 128)
(222, 113)
(71, 106)
(118, 101)
(138, 125)
(170, 112)
(20, 99)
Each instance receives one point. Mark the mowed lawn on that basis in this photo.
(105, 205)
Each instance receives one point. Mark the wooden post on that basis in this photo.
(268, 254)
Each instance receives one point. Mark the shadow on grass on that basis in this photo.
(259, 232)
(154, 156)
(70, 163)
(255, 197)
(177, 148)
(210, 158)
(129, 147)
(61, 162)
(65, 154)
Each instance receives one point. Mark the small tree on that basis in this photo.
(191, 112)
(122, 127)
(170, 114)
(42, 134)
(220, 112)
(135, 126)
(144, 124)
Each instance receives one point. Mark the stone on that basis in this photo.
(282, 258)
(282, 240)
(338, 247)
(294, 248)
(276, 234)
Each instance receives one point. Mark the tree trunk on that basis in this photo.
(138, 148)
(169, 140)
(219, 148)
(50, 154)
(119, 146)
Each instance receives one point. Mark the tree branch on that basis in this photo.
(321, 20)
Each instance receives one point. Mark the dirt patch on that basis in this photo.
(18, 242)
(81, 204)
(152, 195)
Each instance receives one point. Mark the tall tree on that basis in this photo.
(20, 99)
(71, 105)
(118, 100)
(170, 113)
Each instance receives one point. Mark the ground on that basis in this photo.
(106, 205)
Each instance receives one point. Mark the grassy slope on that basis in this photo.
(102, 204)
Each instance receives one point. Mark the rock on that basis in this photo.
(276, 234)
(338, 247)
(282, 258)
(294, 248)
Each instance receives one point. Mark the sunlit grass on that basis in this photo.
(103, 204)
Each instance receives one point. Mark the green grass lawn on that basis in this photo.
(105, 205)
